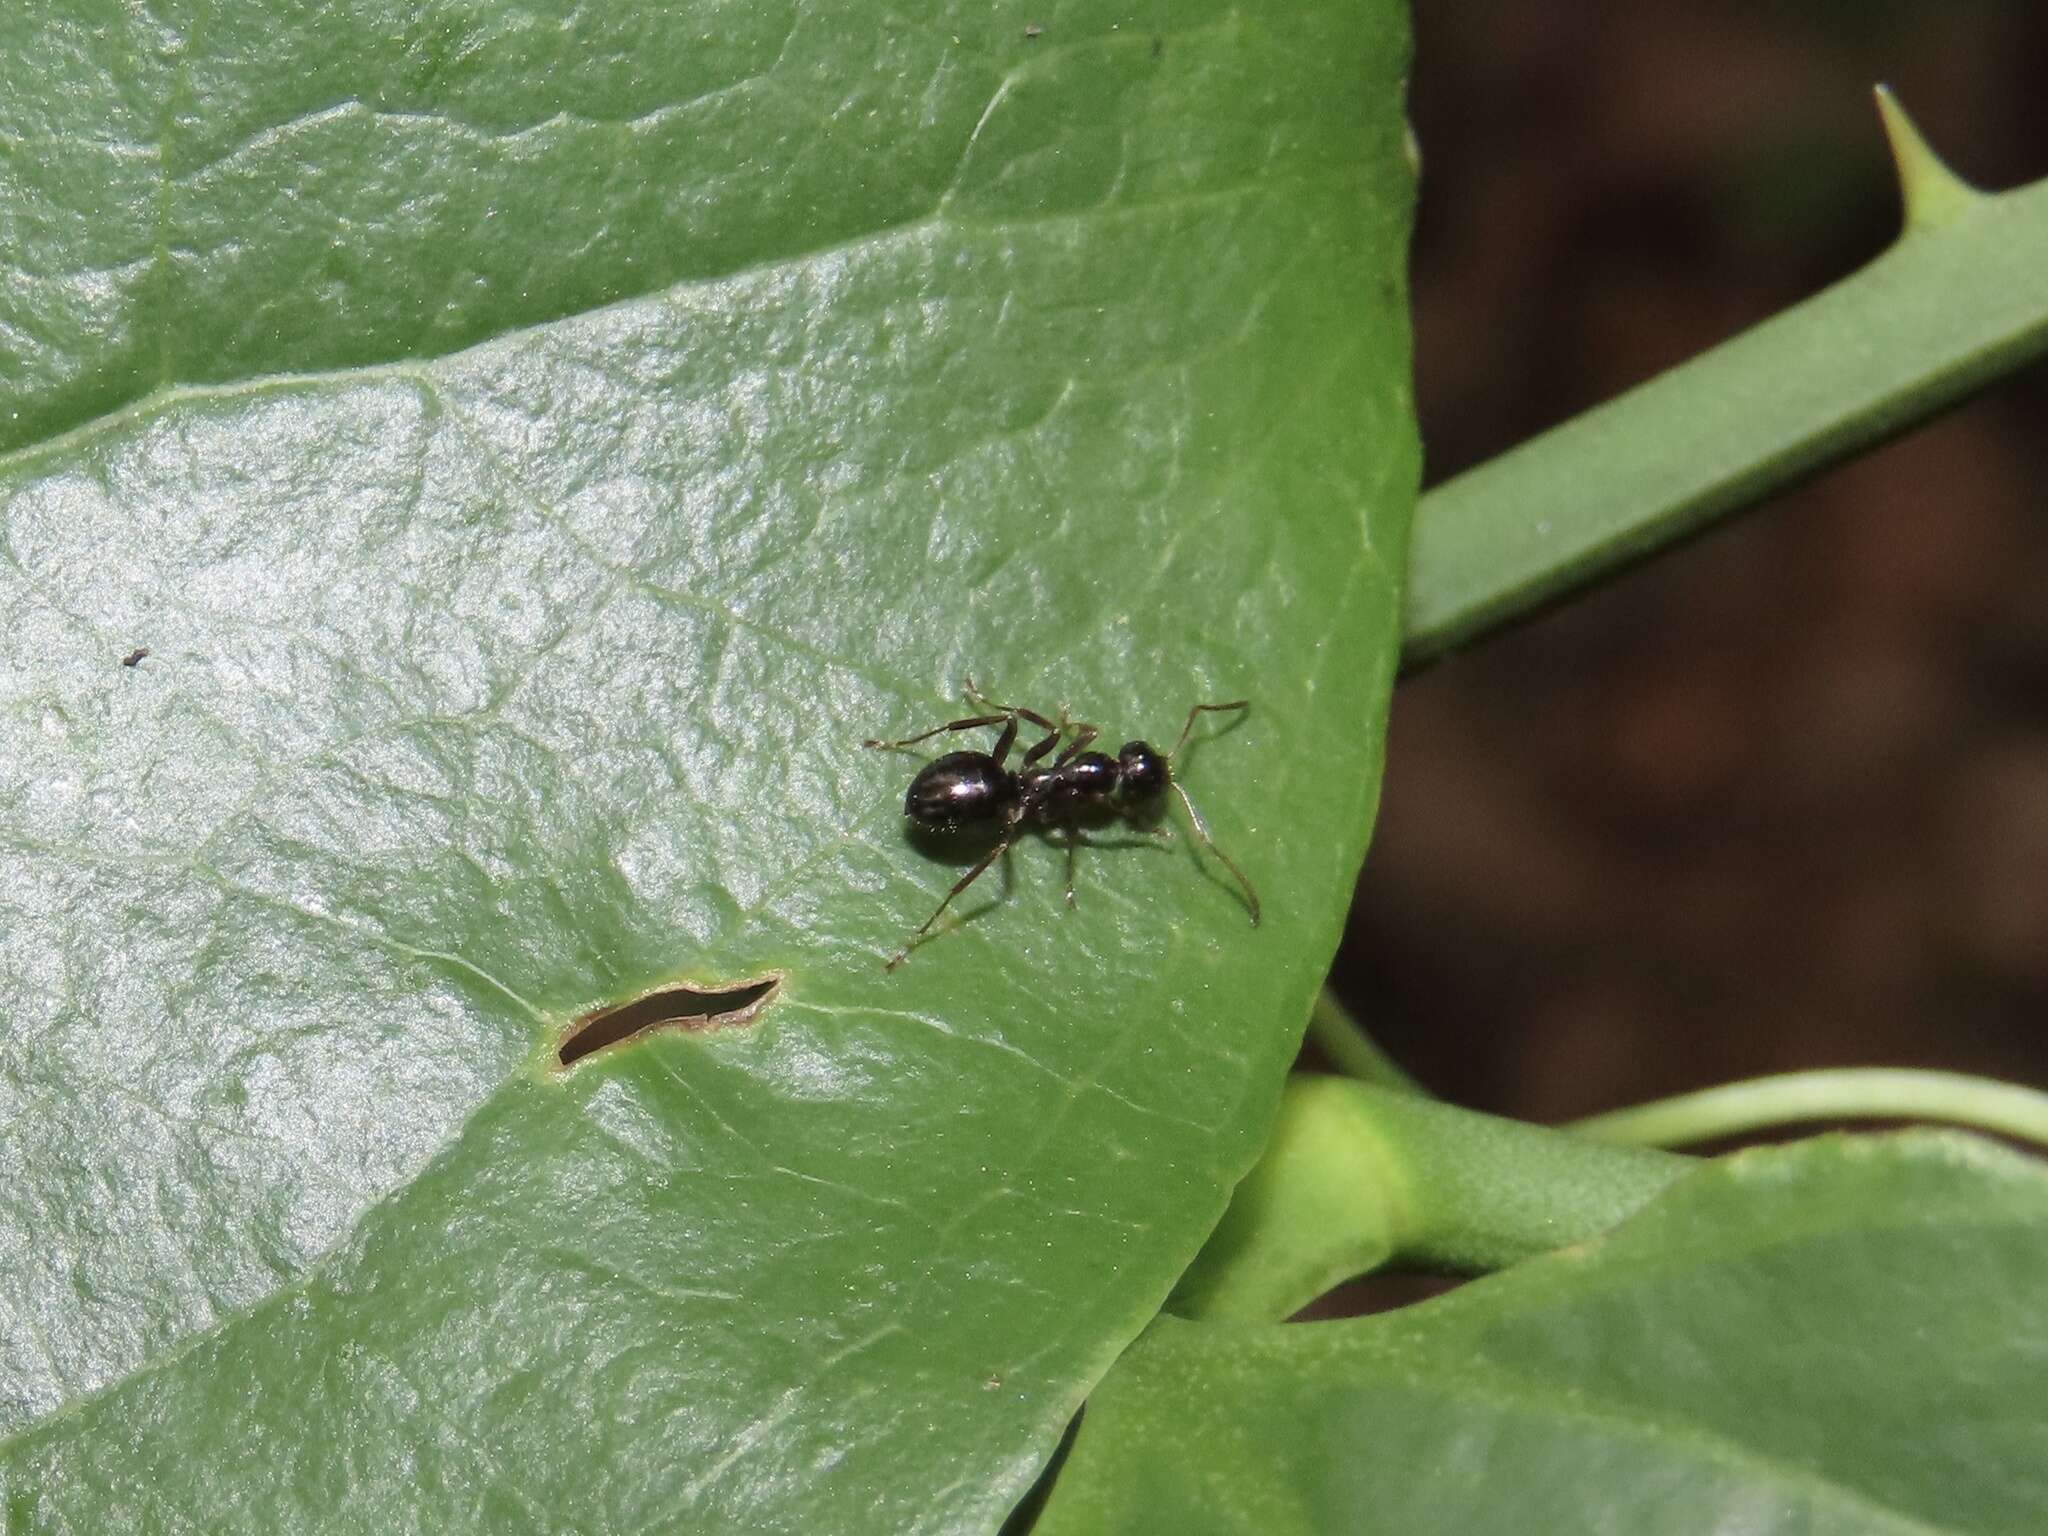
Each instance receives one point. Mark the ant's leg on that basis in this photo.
(959, 885)
(1201, 830)
(1055, 731)
(1084, 733)
(1005, 741)
(1074, 842)
(951, 725)
(1200, 709)
(981, 700)
(1040, 748)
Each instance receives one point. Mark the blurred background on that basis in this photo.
(1779, 798)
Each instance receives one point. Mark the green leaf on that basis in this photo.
(1841, 1336)
(198, 192)
(487, 686)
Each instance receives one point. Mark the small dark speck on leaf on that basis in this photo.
(1033, 29)
(677, 1007)
(1158, 47)
(134, 657)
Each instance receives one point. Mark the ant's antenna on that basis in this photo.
(1203, 709)
(1251, 897)
(1201, 828)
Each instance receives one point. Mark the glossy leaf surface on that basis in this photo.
(1839, 1337)
(540, 443)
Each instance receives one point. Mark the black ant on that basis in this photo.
(977, 788)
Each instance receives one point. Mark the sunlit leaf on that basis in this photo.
(535, 445)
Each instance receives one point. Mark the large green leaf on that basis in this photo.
(1840, 1337)
(200, 190)
(490, 685)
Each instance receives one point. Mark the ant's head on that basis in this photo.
(1146, 774)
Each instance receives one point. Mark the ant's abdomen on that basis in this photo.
(959, 788)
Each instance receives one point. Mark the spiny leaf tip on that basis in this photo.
(1931, 192)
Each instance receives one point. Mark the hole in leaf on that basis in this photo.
(677, 1007)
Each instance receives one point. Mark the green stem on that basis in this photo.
(1351, 1050)
(1961, 299)
(1858, 1093)
(1357, 1175)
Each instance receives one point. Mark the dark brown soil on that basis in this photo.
(1780, 798)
